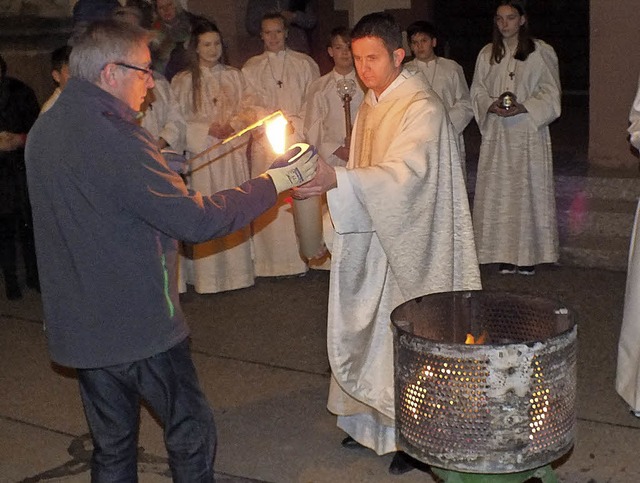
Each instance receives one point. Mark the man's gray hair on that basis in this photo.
(102, 43)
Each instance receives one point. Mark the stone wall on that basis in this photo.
(615, 67)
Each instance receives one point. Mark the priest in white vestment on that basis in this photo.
(514, 212)
(444, 76)
(628, 372)
(279, 77)
(402, 229)
(211, 101)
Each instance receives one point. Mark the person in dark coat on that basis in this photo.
(18, 111)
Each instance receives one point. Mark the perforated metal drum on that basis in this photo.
(485, 382)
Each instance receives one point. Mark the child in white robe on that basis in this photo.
(514, 214)
(211, 103)
(444, 76)
(280, 78)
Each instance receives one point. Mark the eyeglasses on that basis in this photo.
(148, 73)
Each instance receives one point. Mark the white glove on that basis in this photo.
(295, 167)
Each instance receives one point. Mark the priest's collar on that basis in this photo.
(403, 76)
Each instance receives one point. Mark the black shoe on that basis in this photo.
(507, 269)
(527, 270)
(350, 443)
(403, 463)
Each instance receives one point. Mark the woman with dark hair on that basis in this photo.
(516, 95)
(211, 103)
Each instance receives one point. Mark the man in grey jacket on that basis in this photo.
(107, 213)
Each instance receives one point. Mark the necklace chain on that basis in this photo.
(218, 78)
(435, 69)
(278, 81)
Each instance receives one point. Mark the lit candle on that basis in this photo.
(307, 212)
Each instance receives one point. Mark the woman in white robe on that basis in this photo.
(212, 103)
(514, 211)
(628, 372)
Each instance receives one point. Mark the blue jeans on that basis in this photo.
(169, 385)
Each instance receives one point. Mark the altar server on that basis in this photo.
(280, 78)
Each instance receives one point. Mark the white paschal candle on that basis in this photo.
(307, 213)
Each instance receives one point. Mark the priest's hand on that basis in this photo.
(324, 180)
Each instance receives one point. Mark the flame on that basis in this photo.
(277, 134)
(480, 340)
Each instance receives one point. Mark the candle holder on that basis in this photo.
(346, 89)
(507, 100)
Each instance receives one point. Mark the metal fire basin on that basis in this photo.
(505, 406)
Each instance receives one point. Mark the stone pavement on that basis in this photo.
(261, 356)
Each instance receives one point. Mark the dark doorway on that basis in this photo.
(465, 27)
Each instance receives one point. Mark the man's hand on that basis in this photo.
(324, 180)
(286, 174)
(10, 141)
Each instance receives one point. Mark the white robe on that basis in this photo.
(446, 78)
(324, 118)
(224, 263)
(403, 230)
(514, 213)
(628, 371)
(275, 243)
(155, 117)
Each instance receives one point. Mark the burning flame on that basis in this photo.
(480, 340)
(277, 134)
